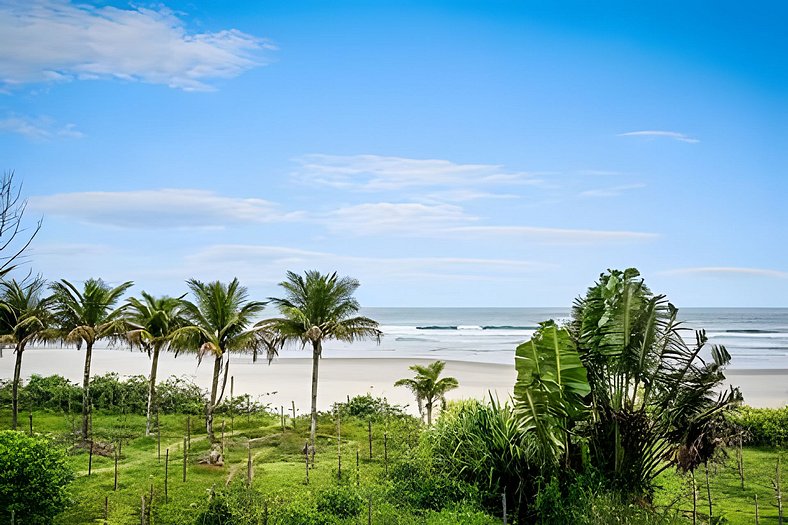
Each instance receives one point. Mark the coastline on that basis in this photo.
(287, 379)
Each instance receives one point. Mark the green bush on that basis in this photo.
(340, 501)
(414, 485)
(180, 396)
(51, 393)
(763, 426)
(111, 394)
(34, 479)
(462, 514)
(368, 407)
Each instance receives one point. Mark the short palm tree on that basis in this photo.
(427, 388)
(217, 323)
(152, 323)
(318, 307)
(24, 317)
(88, 316)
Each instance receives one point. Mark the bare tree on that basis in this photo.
(15, 238)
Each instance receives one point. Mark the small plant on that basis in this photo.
(340, 501)
(34, 479)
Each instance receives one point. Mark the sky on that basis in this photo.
(488, 153)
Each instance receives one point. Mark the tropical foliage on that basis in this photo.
(87, 315)
(24, 318)
(653, 400)
(318, 307)
(34, 479)
(427, 388)
(217, 323)
(153, 321)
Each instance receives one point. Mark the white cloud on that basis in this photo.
(666, 134)
(165, 208)
(41, 128)
(402, 218)
(556, 235)
(379, 173)
(727, 270)
(56, 40)
(261, 264)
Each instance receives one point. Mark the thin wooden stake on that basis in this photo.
(503, 504)
(757, 515)
(282, 416)
(117, 453)
(90, 458)
(189, 432)
(306, 460)
(386, 452)
(294, 415)
(369, 432)
(158, 437)
(166, 474)
(222, 437)
(358, 471)
(708, 491)
(740, 458)
(778, 490)
(30, 416)
(694, 499)
(249, 469)
(339, 447)
(106, 509)
(185, 454)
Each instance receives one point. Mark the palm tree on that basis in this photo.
(427, 388)
(217, 323)
(318, 307)
(88, 315)
(24, 316)
(153, 321)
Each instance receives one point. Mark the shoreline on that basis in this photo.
(288, 378)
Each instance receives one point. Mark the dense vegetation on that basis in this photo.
(614, 419)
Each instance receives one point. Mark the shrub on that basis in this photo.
(111, 394)
(34, 479)
(340, 501)
(180, 396)
(368, 407)
(414, 485)
(763, 426)
(52, 393)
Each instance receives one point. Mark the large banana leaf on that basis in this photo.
(551, 384)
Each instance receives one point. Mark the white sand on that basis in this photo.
(288, 378)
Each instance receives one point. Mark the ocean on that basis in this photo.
(757, 338)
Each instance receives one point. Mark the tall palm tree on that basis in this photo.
(218, 323)
(318, 307)
(427, 388)
(24, 317)
(88, 316)
(153, 321)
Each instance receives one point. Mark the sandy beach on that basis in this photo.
(287, 378)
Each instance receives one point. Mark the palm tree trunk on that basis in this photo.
(86, 389)
(429, 414)
(152, 388)
(15, 387)
(316, 351)
(217, 368)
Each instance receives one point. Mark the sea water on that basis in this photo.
(755, 337)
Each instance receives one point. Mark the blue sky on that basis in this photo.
(444, 153)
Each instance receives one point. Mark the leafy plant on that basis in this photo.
(34, 479)
(341, 501)
(427, 388)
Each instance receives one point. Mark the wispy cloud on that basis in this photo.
(262, 264)
(41, 128)
(675, 135)
(380, 173)
(556, 235)
(157, 209)
(57, 40)
(395, 218)
(727, 270)
(613, 191)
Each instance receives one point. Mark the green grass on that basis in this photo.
(279, 471)
(729, 499)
